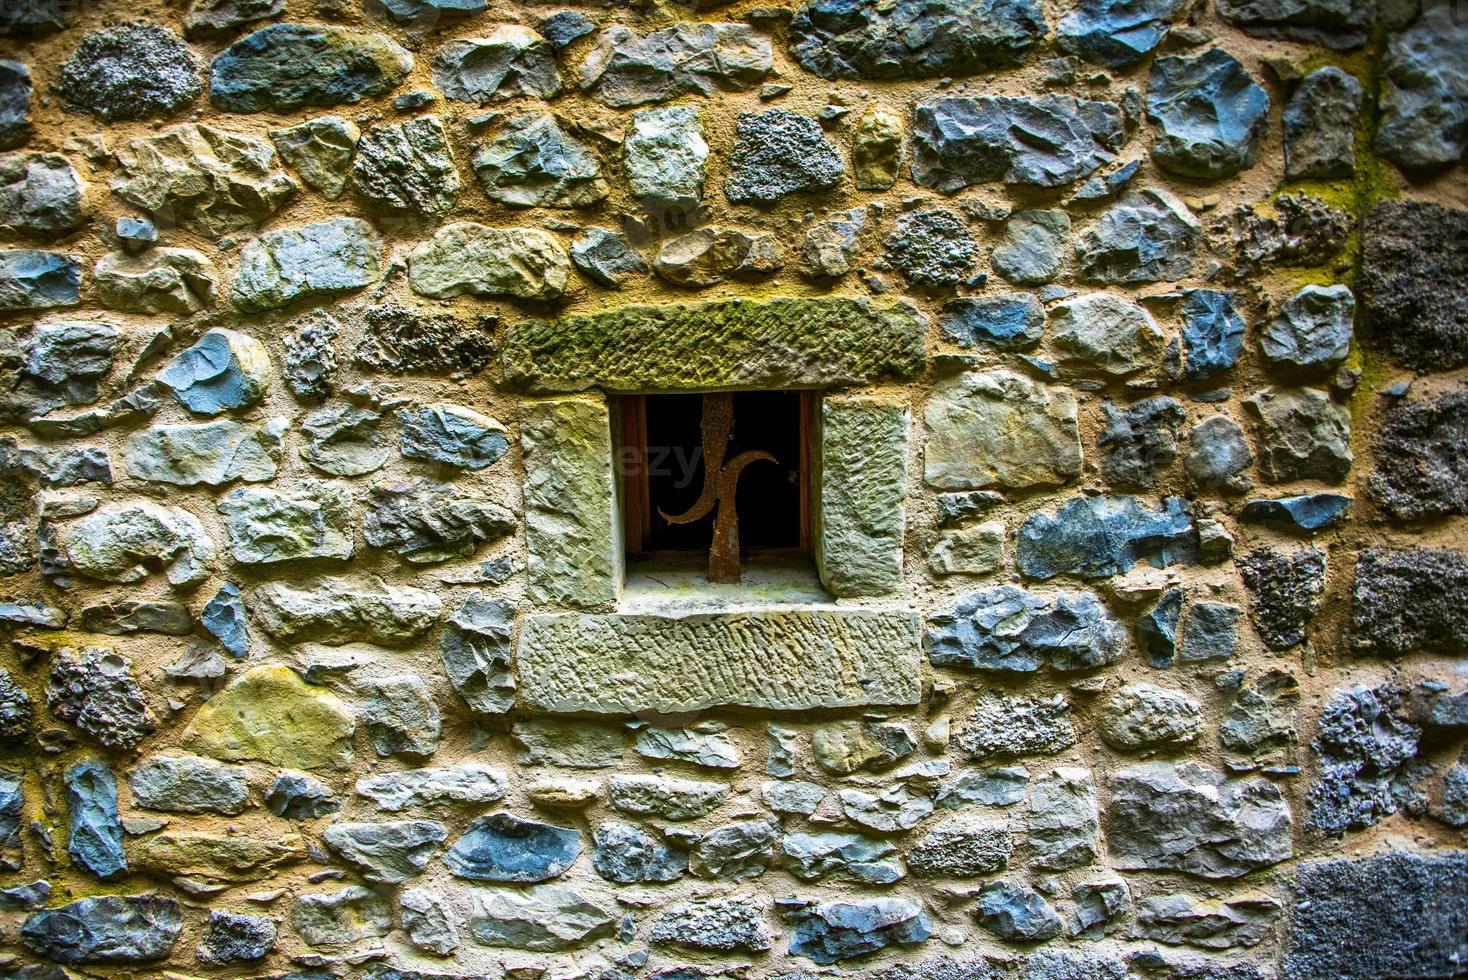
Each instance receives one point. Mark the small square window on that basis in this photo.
(671, 507)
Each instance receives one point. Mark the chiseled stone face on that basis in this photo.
(863, 484)
(1000, 429)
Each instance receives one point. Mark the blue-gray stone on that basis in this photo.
(387, 853)
(629, 855)
(1011, 322)
(476, 651)
(777, 153)
(1213, 333)
(25, 898)
(1219, 455)
(564, 27)
(1209, 114)
(1157, 629)
(306, 261)
(1094, 537)
(34, 280)
(135, 234)
(68, 466)
(224, 617)
(1320, 123)
(224, 370)
(12, 804)
(1006, 628)
(1016, 913)
(133, 70)
(840, 857)
(15, 103)
(607, 257)
(536, 160)
(1103, 187)
(452, 434)
(15, 703)
(189, 784)
(41, 195)
(105, 929)
(1284, 592)
(297, 796)
(95, 834)
(834, 931)
(34, 17)
(932, 247)
(1210, 632)
(1301, 434)
(1000, 786)
(1368, 749)
(1311, 334)
(1140, 441)
(913, 38)
(501, 847)
(285, 66)
(1115, 33)
(1042, 142)
(1032, 250)
(234, 938)
(427, 12)
(1424, 119)
(1422, 458)
(1306, 512)
(1338, 24)
(1147, 236)
(407, 168)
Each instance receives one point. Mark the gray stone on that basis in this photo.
(189, 784)
(475, 650)
(723, 925)
(1367, 746)
(1210, 632)
(124, 617)
(432, 522)
(162, 280)
(734, 852)
(1301, 434)
(1452, 809)
(1147, 236)
(407, 168)
(629, 855)
(970, 845)
(310, 369)
(234, 938)
(324, 258)
(840, 857)
(703, 744)
(68, 466)
(15, 104)
(40, 194)
(777, 153)
(1284, 593)
(1184, 817)
(320, 152)
(465, 257)
(441, 432)
(1290, 230)
(70, 358)
(15, 709)
(210, 17)
(1420, 326)
(119, 543)
(425, 14)
(536, 160)
(1175, 919)
(94, 689)
(1143, 716)
(1099, 908)
(1219, 456)
(1010, 322)
(501, 847)
(345, 440)
(1311, 334)
(203, 179)
(406, 341)
(386, 853)
(664, 154)
(845, 747)
(623, 69)
(12, 806)
(666, 797)
(1115, 33)
(401, 717)
(931, 248)
(1334, 25)
(309, 520)
(511, 61)
(105, 929)
(564, 742)
(1016, 913)
(297, 796)
(913, 40)
(565, 27)
(34, 280)
(135, 234)
(341, 917)
(428, 921)
(890, 811)
(863, 474)
(134, 70)
(1424, 105)
(27, 898)
(1140, 441)
(1004, 628)
(1320, 123)
(1209, 113)
(94, 833)
(1063, 826)
(974, 550)
(830, 246)
(1095, 537)
(464, 782)
(1212, 334)
(1000, 786)
(711, 255)
(1032, 250)
(544, 918)
(1422, 458)
(606, 257)
(792, 796)
(336, 611)
(1261, 716)
(830, 932)
(1102, 333)
(1039, 142)
(999, 428)
(1008, 726)
(287, 66)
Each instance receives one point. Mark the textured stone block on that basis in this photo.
(787, 660)
(863, 480)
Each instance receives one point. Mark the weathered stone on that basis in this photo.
(501, 847)
(630, 855)
(830, 932)
(68, 466)
(94, 690)
(403, 341)
(306, 261)
(544, 918)
(840, 857)
(999, 428)
(465, 257)
(1334, 25)
(475, 650)
(465, 782)
(69, 358)
(564, 742)
(1115, 33)
(511, 61)
(876, 149)
(1301, 435)
(425, 14)
(1219, 456)
(309, 520)
(188, 784)
(269, 714)
(703, 744)
(94, 834)
(441, 432)
(1424, 105)
(235, 938)
(1418, 325)
(337, 611)
(1000, 786)
(1306, 513)
(890, 811)
(536, 160)
(1147, 236)
(124, 617)
(1038, 142)
(712, 254)
(1245, 920)
(340, 917)
(297, 796)
(973, 550)
(1184, 817)
(15, 103)
(845, 747)
(1210, 632)
(12, 806)
(40, 194)
(1320, 123)
(1033, 247)
(204, 179)
(286, 66)
(1010, 322)
(119, 543)
(320, 152)
(792, 796)
(211, 453)
(1144, 716)
(401, 717)
(1004, 726)
(666, 797)
(1396, 914)
(777, 153)
(913, 40)
(1422, 458)
(105, 929)
(1284, 592)
(344, 440)
(606, 257)
(1005, 628)
(1261, 717)
(1311, 334)
(965, 846)
(1367, 746)
(723, 925)
(387, 853)
(623, 69)
(734, 852)
(1099, 908)
(1099, 536)
(34, 280)
(565, 27)
(407, 168)
(1064, 829)
(931, 248)
(1209, 114)
(163, 280)
(1140, 441)
(15, 710)
(1106, 334)
(1212, 334)
(1290, 230)
(428, 921)
(428, 522)
(1016, 913)
(133, 70)
(211, 17)
(863, 451)
(1410, 599)
(830, 246)
(198, 861)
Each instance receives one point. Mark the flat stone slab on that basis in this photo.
(780, 660)
(726, 344)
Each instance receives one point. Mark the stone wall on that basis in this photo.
(1131, 644)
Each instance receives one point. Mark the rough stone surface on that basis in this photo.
(1219, 456)
(1012, 322)
(830, 247)
(338, 611)
(501, 847)
(624, 69)
(341, 917)
(931, 248)
(510, 61)
(606, 257)
(1147, 236)
(211, 453)
(537, 160)
(94, 689)
(1145, 716)
(306, 262)
(1311, 334)
(188, 784)
(1367, 747)
(1115, 33)
(777, 153)
(1004, 628)
(1101, 333)
(15, 103)
(134, 70)
(1212, 334)
(320, 151)
(235, 938)
(1209, 113)
(1140, 441)
(1284, 592)
(1003, 726)
(94, 837)
(1422, 327)
(427, 523)
(287, 66)
(400, 340)
(1301, 434)
(123, 542)
(269, 714)
(863, 451)
(106, 929)
(309, 520)
(1422, 458)
(721, 924)
(34, 280)
(1425, 101)
(1032, 250)
(830, 932)
(713, 254)
(468, 258)
(387, 853)
(1063, 825)
(407, 168)
(164, 280)
(966, 846)
(1099, 536)
(1320, 123)
(40, 194)
(1408, 599)
(545, 918)
(626, 854)
(1000, 429)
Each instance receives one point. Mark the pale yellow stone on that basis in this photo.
(213, 860)
(270, 715)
